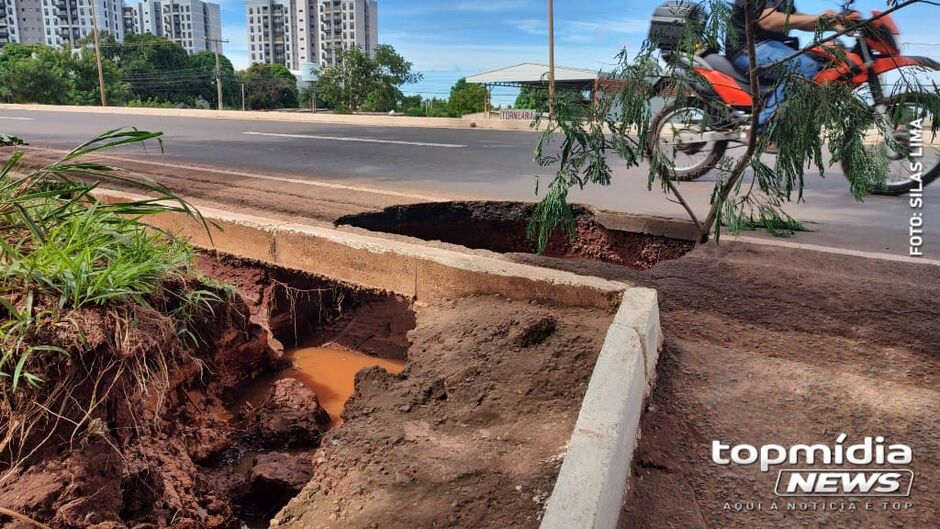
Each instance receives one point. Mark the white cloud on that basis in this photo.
(532, 26)
(583, 30)
(490, 6)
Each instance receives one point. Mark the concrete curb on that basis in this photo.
(343, 119)
(417, 271)
(588, 493)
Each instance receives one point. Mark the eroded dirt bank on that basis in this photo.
(771, 345)
(470, 435)
(143, 423)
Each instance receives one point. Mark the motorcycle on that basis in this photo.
(695, 132)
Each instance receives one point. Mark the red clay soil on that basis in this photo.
(137, 414)
(471, 433)
(771, 345)
(164, 445)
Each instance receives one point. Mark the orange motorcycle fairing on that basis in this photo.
(726, 87)
(838, 69)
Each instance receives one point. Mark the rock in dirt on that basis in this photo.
(278, 473)
(533, 332)
(290, 416)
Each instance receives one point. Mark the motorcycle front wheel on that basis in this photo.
(915, 160)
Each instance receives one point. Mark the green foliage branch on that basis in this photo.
(579, 141)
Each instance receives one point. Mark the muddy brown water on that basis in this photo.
(502, 227)
(329, 370)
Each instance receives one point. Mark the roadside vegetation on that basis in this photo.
(151, 71)
(818, 125)
(80, 276)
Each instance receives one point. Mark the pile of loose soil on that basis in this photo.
(501, 227)
(471, 433)
(773, 345)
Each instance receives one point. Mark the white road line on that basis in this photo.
(313, 183)
(361, 140)
(17, 118)
(840, 251)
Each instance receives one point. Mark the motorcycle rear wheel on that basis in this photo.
(902, 175)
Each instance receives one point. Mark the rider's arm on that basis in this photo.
(776, 21)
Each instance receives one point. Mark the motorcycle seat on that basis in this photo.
(721, 63)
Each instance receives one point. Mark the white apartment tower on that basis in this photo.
(9, 29)
(193, 24)
(59, 23)
(345, 24)
(292, 32)
(271, 26)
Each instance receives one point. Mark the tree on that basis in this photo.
(29, 73)
(360, 82)
(466, 98)
(269, 86)
(582, 139)
(159, 69)
(81, 73)
(536, 98)
(40, 74)
(204, 61)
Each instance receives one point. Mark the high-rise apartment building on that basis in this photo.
(60, 23)
(193, 24)
(293, 32)
(345, 24)
(9, 29)
(271, 26)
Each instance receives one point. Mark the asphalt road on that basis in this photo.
(455, 163)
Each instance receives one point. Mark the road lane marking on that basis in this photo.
(361, 140)
(314, 183)
(17, 118)
(881, 256)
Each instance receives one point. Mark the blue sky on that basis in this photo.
(449, 40)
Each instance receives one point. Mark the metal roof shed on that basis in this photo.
(529, 73)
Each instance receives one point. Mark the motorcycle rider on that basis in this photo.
(774, 19)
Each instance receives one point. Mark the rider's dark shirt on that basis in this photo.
(734, 42)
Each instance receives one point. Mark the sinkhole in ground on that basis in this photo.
(501, 227)
(323, 333)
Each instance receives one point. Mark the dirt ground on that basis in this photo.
(771, 345)
(470, 435)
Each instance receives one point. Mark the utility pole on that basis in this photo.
(551, 60)
(94, 30)
(243, 96)
(218, 74)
